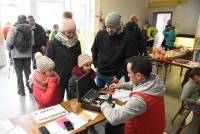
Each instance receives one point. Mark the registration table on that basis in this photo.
(28, 123)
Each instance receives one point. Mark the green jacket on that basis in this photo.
(191, 92)
(151, 32)
(52, 35)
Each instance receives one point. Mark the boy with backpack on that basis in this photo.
(19, 42)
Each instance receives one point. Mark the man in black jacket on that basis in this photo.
(109, 51)
(40, 38)
(137, 46)
(135, 32)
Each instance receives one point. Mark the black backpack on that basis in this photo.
(23, 37)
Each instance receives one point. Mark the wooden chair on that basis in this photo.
(183, 113)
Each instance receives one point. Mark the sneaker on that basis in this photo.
(21, 93)
(29, 88)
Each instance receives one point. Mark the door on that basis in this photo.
(160, 21)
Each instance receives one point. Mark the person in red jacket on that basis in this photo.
(6, 30)
(45, 82)
(144, 112)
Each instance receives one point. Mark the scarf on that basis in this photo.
(66, 41)
(40, 80)
(79, 72)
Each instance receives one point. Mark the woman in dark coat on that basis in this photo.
(64, 51)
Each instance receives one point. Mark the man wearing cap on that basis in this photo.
(109, 51)
(22, 59)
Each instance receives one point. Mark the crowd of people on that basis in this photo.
(117, 51)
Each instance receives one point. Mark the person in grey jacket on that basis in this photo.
(191, 89)
(22, 59)
(143, 85)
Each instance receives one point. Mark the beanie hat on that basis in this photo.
(113, 19)
(83, 59)
(21, 19)
(68, 24)
(43, 63)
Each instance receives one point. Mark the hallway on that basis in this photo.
(11, 103)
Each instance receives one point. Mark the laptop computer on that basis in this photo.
(85, 94)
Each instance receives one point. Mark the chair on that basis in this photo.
(183, 112)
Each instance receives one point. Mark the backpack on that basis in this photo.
(23, 37)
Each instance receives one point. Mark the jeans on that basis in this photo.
(103, 80)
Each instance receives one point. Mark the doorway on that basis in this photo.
(160, 21)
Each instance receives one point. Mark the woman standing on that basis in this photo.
(64, 51)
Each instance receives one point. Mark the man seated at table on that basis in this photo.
(144, 112)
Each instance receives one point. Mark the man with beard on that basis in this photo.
(109, 51)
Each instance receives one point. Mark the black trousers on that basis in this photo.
(20, 65)
(110, 129)
(63, 87)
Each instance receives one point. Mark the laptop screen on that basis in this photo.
(83, 85)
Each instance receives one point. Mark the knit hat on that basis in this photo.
(83, 59)
(68, 24)
(113, 19)
(43, 63)
(21, 19)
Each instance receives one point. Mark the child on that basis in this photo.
(191, 89)
(84, 66)
(44, 82)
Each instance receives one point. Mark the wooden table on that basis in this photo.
(167, 63)
(28, 123)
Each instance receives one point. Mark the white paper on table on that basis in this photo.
(55, 128)
(122, 95)
(16, 130)
(76, 120)
(49, 113)
(5, 126)
(87, 115)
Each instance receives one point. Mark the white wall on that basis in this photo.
(125, 8)
(185, 17)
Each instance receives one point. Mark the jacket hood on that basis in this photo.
(152, 86)
(130, 26)
(79, 72)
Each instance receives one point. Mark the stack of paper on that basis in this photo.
(122, 95)
(88, 116)
(57, 126)
(49, 113)
(6, 127)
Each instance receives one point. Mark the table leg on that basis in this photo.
(170, 68)
(165, 75)
(181, 71)
(157, 66)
